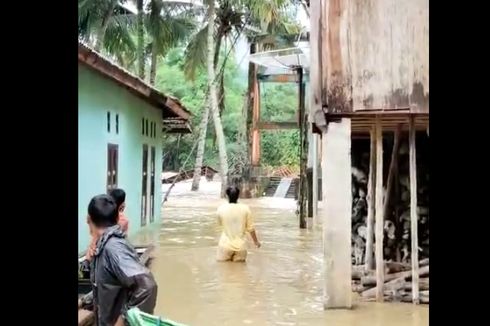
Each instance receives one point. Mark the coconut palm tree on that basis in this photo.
(233, 17)
(103, 23)
(131, 36)
(167, 28)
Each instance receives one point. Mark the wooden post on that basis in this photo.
(248, 112)
(303, 129)
(315, 177)
(309, 177)
(380, 273)
(413, 212)
(392, 171)
(337, 214)
(255, 121)
(371, 203)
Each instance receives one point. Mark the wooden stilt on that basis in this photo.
(380, 275)
(315, 177)
(413, 213)
(255, 125)
(370, 198)
(392, 171)
(309, 179)
(337, 213)
(303, 125)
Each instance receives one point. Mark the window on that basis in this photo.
(152, 185)
(144, 186)
(117, 123)
(112, 156)
(146, 132)
(108, 121)
(143, 126)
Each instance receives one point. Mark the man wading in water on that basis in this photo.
(236, 220)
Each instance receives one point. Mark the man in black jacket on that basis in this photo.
(119, 280)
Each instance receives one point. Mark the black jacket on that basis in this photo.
(119, 280)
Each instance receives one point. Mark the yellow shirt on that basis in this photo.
(235, 220)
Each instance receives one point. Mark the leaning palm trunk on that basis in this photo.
(153, 66)
(201, 142)
(103, 26)
(213, 101)
(140, 40)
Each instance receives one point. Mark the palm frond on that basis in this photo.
(196, 53)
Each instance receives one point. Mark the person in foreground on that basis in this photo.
(236, 220)
(119, 197)
(119, 280)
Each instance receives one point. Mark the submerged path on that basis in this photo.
(279, 285)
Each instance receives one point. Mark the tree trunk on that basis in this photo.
(201, 143)
(213, 100)
(221, 89)
(140, 40)
(153, 66)
(103, 26)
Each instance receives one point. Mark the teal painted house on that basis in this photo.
(121, 122)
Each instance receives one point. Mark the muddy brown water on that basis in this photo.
(280, 284)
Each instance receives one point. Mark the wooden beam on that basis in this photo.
(371, 202)
(270, 125)
(379, 213)
(413, 214)
(279, 78)
(337, 215)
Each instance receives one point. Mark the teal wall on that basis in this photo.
(96, 96)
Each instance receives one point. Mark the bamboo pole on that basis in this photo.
(379, 213)
(413, 213)
(371, 203)
(392, 171)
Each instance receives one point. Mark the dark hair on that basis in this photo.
(102, 210)
(233, 193)
(119, 196)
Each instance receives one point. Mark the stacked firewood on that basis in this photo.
(396, 240)
(397, 282)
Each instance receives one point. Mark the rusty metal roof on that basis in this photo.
(171, 107)
(176, 125)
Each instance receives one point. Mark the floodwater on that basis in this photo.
(280, 284)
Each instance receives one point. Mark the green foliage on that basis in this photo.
(181, 71)
(279, 103)
(280, 148)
